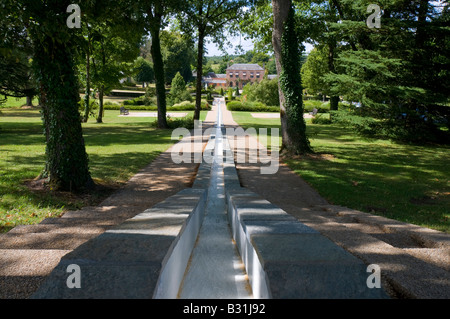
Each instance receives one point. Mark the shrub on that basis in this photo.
(183, 106)
(320, 119)
(265, 91)
(93, 107)
(230, 94)
(178, 90)
(131, 107)
(173, 123)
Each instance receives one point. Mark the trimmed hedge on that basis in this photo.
(251, 107)
(183, 106)
(130, 107)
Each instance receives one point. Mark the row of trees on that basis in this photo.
(105, 46)
(404, 66)
(399, 73)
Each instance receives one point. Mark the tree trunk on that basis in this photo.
(198, 93)
(334, 100)
(66, 158)
(158, 66)
(88, 89)
(280, 10)
(287, 57)
(29, 100)
(100, 101)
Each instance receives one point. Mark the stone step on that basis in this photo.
(106, 212)
(55, 228)
(425, 237)
(79, 221)
(404, 270)
(44, 240)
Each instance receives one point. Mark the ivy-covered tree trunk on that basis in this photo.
(287, 56)
(198, 94)
(66, 158)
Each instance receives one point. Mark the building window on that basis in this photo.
(257, 75)
(251, 75)
(231, 84)
(231, 74)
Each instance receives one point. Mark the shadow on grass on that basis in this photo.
(125, 135)
(119, 167)
(21, 113)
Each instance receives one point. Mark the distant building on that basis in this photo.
(236, 75)
(241, 74)
(216, 80)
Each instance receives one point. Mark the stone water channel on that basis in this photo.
(215, 269)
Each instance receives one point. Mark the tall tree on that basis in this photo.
(113, 58)
(209, 18)
(400, 71)
(107, 49)
(54, 46)
(16, 76)
(178, 55)
(156, 13)
(144, 71)
(286, 45)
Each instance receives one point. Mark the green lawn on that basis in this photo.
(404, 182)
(117, 149)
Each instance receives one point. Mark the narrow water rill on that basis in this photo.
(215, 269)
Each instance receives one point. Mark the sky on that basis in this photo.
(246, 45)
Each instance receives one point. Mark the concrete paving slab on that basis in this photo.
(102, 280)
(158, 224)
(292, 248)
(255, 227)
(311, 266)
(252, 210)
